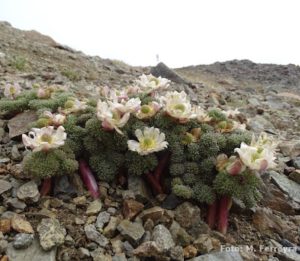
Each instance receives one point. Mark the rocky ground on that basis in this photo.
(127, 222)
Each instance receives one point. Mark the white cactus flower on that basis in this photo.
(178, 106)
(111, 118)
(201, 115)
(150, 83)
(256, 158)
(231, 113)
(11, 91)
(147, 110)
(45, 138)
(55, 119)
(73, 106)
(149, 140)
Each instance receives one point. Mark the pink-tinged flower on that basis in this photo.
(235, 166)
(201, 115)
(149, 83)
(231, 113)
(149, 140)
(147, 111)
(45, 138)
(11, 91)
(111, 118)
(256, 158)
(72, 106)
(55, 119)
(178, 106)
(44, 93)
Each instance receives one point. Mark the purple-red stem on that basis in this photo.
(88, 178)
(155, 184)
(161, 166)
(46, 186)
(224, 207)
(212, 214)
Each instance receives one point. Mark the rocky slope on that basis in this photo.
(127, 223)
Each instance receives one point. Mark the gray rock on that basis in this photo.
(219, 256)
(22, 240)
(290, 148)
(20, 123)
(254, 102)
(15, 203)
(51, 233)
(176, 253)
(33, 253)
(288, 186)
(3, 245)
(187, 215)
(131, 230)
(259, 124)
(171, 202)
(94, 235)
(83, 252)
(139, 188)
(119, 257)
(94, 207)
(164, 71)
(296, 162)
(15, 154)
(102, 219)
(163, 238)
(29, 192)
(4, 186)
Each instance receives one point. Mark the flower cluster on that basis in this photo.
(144, 129)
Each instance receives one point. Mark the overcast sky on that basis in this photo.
(180, 32)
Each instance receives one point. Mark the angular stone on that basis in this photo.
(51, 233)
(20, 123)
(205, 244)
(102, 219)
(163, 238)
(148, 249)
(176, 253)
(290, 148)
(219, 256)
(94, 207)
(33, 253)
(295, 176)
(187, 215)
(288, 186)
(15, 203)
(119, 257)
(29, 192)
(5, 225)
(4, 186)
(94, 235)
(132, 231)
(180, 235)
(22, 240)
(171, 202)
(154, 213)
(131, 208)
(111, 227)
(189, 251)
(139, 188)
(21, 225)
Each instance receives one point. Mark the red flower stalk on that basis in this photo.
(46, 186)
(224, 207)
(154, 183)
(212, 214)
(161, 166)
(88, 178)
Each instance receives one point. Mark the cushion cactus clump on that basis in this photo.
(145, 130)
